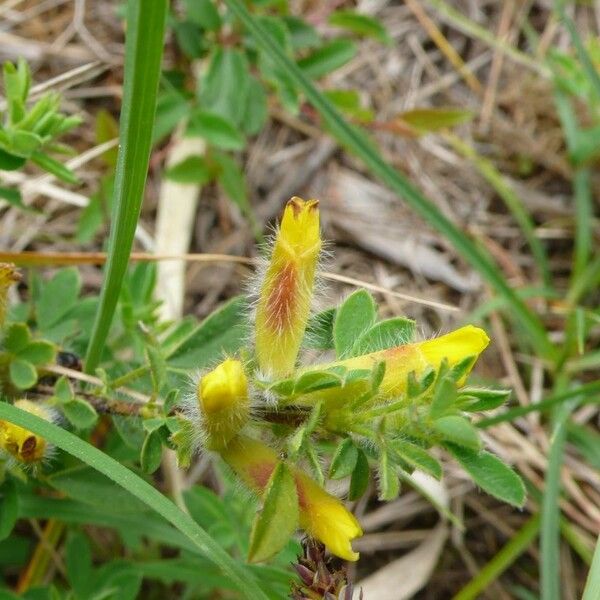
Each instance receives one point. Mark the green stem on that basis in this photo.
(503, 559)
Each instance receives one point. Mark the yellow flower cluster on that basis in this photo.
(281, 317)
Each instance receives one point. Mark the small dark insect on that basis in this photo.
(69, 361)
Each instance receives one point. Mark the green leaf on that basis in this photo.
(360, 477)
(10, 162)
(80, 413)
(389, 482)
(443, 397)
(216, 130)
(90, 220)
(302, 35)
(38, 353)
(63, 391)
(490, 474)
(190, 39)
(24, 143)
(17, 337)
(14, 198)
(203, 13)
(257, 110)
(222, 332)
(328, 58)
(480, 399)
(385, 334)
(184, 443)
(22, 374)
(57, 297)
(344, 460)
(313, 381)
(319, 331)
(54, 167)
(278, 519)
(458, 430)
(231, 178)
(9, 508)
(349, 102)
(158, 367)
(78, 560)
(416, 457)
(224, 89)
(107, 129)
(359, 24)
(143, 54)
(171, 108)
(192, 169)
(355, 316)
(427, 120)
(151, 452)
(140, 489)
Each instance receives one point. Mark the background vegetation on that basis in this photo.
(454, 149)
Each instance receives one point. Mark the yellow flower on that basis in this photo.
(325, 518)
(322, 515)
(8, 276)
(21, 444)
(287, 287)
(224, 402)
(402, 360)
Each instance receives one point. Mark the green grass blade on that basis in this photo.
(471, 28)
(514, 204)
(143, 54)
(592, 585)
(139, 488)
(352, 138)
(550, 523)
(589, 389)
(503, 559)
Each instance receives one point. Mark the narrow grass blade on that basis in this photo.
(143, 54)
(592, 585)
(138, 488)
(550, 523)
(503, 559)
(589, 389)
(514, 204)
(354, 139)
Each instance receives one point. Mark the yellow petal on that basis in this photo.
(402, 360)
(325, 518)
(8, 276)
(322, 515)
(455, 346)
(224, 402)
(23, 445)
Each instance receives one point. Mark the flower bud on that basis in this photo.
(224, 402)
(8, 276)
(23, 445)
(287, 288)
(322, 515)
(403, 360)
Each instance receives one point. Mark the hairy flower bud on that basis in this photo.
(400, 361)
(23, 445)
(322, 515)
(8, 276)
(287, 287)
(224, 402)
